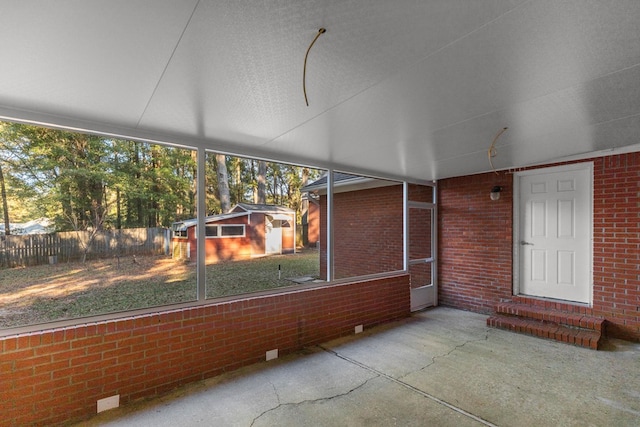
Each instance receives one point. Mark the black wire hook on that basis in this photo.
(304, 70)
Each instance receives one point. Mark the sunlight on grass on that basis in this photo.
(62, 291)
(234, 278)
(50, 290)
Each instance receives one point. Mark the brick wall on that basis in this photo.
(56, 376)
(313, 223)
(616, 233)
(367, 231)
(475, 242)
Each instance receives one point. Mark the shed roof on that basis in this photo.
(241, 209)
(262, 208)
(183, 225)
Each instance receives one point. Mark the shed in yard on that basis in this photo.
(248, 230)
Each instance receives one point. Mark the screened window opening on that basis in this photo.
(106, 208)
(367, 225)
(263, 218)
(121, 226)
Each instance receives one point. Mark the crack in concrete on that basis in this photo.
(415, 389)
(275, 391)
(320, 399)
(440, 356)
(379, 374)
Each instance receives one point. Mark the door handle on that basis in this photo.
(523, 243)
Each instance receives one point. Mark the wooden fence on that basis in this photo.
(37, 249)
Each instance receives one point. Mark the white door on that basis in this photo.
(421, 234)
(554, 232)
(273, 236)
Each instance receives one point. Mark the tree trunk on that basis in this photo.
(262, 182)
(254, 182)
(118, 201)
(5, 204)
(118, 210)
(155, 190)
(275, 189)
(223, 183)
(239, 186)
(138, 200)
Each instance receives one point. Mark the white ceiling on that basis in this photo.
(404, 88)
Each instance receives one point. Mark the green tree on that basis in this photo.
(88, 182)
(63, 168)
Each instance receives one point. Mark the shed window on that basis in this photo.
(232, 230)
(182, 234)
(225, 230)
(211, 231)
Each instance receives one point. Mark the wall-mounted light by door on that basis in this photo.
(495, 192)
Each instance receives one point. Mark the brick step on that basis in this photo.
(552, 320)
(589, 338)
(560, 317)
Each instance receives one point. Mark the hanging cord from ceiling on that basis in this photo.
(493, 151)
(304, 70)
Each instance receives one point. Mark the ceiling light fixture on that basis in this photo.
(492, 152)
(304, 70)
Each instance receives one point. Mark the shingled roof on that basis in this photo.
(346, 182)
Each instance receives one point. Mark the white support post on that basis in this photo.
(434, 245)
(405, 225)
(200, 229)
(329, 247)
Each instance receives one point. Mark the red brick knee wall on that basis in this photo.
(57, 376)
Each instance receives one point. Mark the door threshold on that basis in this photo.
(558, 304)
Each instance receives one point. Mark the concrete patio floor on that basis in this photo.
(440, 367)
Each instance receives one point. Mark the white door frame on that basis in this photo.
(427, 295)
(516, 218)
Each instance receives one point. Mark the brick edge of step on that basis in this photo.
(575, 320)
(550, 330)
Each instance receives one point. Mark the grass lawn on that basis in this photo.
(69, 290)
